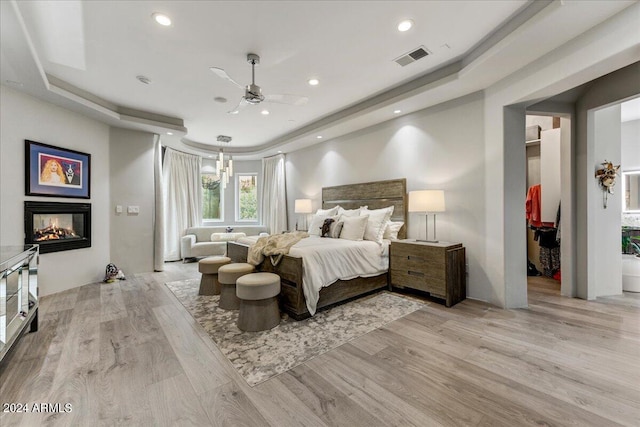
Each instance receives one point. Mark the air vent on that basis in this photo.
(223, 138)
(412, 56)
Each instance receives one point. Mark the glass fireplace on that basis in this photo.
(57, 226)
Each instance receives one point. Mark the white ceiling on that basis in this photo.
(85, 55)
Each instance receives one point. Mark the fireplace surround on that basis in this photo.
(57, 226)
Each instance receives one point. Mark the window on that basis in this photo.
(212, 197)
(247, 197)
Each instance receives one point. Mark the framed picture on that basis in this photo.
(57, 172)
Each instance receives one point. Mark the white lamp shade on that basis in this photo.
(303, 206)
(426, 201)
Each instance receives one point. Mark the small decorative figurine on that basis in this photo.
(607, 177)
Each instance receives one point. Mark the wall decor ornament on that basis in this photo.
(607, 177)
(56, 172)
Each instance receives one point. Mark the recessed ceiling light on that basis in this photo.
(144, 79)
(314, 82)
(397, 111)
(279, 151)
(210, 156)
(161, 19)
(169, 133)
(405, 25)
(319, 137)
(264, 112)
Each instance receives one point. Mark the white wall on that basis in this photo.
(24, 117)
(432, 149)
(605, 262)
(550, 168)
(132, 184)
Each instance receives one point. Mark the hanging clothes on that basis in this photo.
(532, 206)
(550, 260)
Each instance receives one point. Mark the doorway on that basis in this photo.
(546, 133)
(586, 270)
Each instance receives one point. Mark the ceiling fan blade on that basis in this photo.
(242, 105)
(287, 99)
(223, 74)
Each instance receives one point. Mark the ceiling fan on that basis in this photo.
(253, 92)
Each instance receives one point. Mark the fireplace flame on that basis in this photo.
(53, 232)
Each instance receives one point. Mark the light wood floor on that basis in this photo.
(128, 354)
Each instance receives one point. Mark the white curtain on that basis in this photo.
(274, 194)
(158, 212)
(182, 198)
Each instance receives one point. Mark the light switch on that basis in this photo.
(133, 209)
(119, 209)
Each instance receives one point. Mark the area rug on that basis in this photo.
(258, 356)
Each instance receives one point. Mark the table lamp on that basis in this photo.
(303, 206)
(427, 201)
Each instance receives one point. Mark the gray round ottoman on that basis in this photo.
(209, 284)
(227, 276)
(258, 294)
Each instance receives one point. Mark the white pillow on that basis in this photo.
(348, 212)
(353, 227)
(392, 229)
(378, 219)
(316, 224)
(226, 237)
(328, 212)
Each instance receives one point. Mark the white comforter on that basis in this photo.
(325, 261)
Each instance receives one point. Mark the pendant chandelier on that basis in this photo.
(224, 170)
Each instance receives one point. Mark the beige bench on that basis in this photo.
(209, 284)
(258, 295)
(227, 276)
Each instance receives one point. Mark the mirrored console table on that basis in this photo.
(18, 293)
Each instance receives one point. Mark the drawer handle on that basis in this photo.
(415, 273)
(415, 258)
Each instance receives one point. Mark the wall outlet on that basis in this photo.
(118, 209)
(133, 210)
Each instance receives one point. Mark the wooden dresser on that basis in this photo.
(436, 268)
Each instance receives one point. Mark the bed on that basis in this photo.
(375, 195)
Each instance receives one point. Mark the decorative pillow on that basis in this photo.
(336, 228)
(226, 237)
(378, 219)
(316, 224)
(392, 229)
(328, 212)
(326, 227)
(353, 228)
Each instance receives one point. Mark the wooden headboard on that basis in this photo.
(375, 195)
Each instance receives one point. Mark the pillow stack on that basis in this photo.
(357, 224)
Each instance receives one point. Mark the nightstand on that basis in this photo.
(436, 268)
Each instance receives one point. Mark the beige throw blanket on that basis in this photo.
(275, 246)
